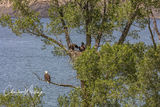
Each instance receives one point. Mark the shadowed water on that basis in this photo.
(21, 56)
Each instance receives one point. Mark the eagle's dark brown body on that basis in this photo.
(47, 77)
(82, 47)
(73, 46)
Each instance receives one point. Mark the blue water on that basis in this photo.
(21, 56)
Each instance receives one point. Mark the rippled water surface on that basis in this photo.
(21, 56)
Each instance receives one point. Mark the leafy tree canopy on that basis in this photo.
(97, 19)
(117, 75)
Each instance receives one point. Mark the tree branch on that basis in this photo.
(88, 20)
(48, 38)
(38, 32)
(155, 25)
(152, 36)
(99, 36)
(128, 25)
(68, 40)
(98, 40)
(62, 85)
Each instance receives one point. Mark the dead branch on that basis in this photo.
(62, 85)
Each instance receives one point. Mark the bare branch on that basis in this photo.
(48, 38)
(62, 85)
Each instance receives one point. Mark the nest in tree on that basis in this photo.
(74, 54)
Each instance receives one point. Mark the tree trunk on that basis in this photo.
(65, 28)
(155, 25)
(64, 25)
(127, 27)
(84, 94)
(87, 22)
(88, 37)
(152, 36)
(98, 40)
(99, 36)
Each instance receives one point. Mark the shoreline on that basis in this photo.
(40, 6)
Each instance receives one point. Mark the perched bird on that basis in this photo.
(47, 77)
(72, 46)
(82, 47)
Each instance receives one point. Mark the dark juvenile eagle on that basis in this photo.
(47, 77)
(73, 46)
(82, 47)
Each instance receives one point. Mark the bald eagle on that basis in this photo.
(47, 77)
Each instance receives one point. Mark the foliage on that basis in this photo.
(57, 51)
(126, 75)
(149, 78)
(97, 19)
(17, 99)
(119, 75)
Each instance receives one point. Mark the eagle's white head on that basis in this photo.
(46, 72)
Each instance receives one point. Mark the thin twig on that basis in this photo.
(62, 85)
